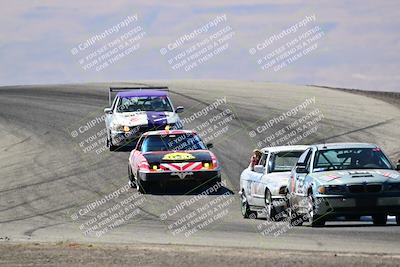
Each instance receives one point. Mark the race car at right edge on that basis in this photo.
(343, 179)
(171, 156)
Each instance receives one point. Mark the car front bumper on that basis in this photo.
(121, 138)
(368, 205)
(198, 176)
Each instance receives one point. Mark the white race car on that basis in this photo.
(264, 188)
(138, 110)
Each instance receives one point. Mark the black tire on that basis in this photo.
(398, 219)
(379, 219)
(270, 211)
(245, 208)
(132, 181)
(313, 218)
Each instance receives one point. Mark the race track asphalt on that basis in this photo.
(48, 175)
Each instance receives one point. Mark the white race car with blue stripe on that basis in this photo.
(138, 110)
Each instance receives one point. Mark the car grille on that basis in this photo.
(393, 187)
(374, 188)
(369, 188)
(355, 189)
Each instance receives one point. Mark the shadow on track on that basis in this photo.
(356, 225)
(365, 221)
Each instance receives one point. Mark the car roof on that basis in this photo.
(344, 145)
(169, 132)
(284, 148)
(146, 92)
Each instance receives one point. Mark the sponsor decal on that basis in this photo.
(332, 177)
(178, 156)
(134, 119)
(182, 166)
(292, 183)
(391, 175)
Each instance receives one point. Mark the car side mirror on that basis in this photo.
(301, 169)
(179, 109)
(398, 165)
(209, 145)
(259, 168)
(108, 111)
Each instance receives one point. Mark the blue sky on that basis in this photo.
(360, 47)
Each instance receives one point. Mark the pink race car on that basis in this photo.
(171, 155)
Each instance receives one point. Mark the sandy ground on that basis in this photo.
(73, 254)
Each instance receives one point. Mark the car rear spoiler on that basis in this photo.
(121, 89)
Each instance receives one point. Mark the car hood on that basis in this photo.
(356, 176)
(151, 118)
(177, 156)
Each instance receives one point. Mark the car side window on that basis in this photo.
(139, 144)
(170, 103)
(263, 159)
(113, 105)
(271, 162)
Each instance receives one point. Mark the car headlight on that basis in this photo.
(322, 189)
(117, 127)
(120, 128)
(332, 189)
(154, 167)
(208, 165)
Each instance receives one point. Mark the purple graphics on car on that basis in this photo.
(136, 111)
(156, 119)
(145, 93)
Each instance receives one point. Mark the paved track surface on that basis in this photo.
(47, 176)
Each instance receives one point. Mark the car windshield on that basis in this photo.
(144, 103)
(172, 142)
(284, 161)
(350, 158)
